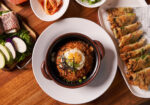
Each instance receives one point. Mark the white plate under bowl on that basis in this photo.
(107, 71)
(86, 4)
(40, 13)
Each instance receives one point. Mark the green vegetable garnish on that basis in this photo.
(137, 59)
(143, 56)
(1, 12)
(91, 1)
(142, 51)
(76, 65)
(131, 14)
(80, 80)
(23, 34)
(21, 57)
(72, 64)
(2, 42)
(122, 28)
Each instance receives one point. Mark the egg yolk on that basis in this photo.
(76, 56)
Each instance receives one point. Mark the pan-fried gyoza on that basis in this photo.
(120, 31)
(139, 63)
(122, 20)
(140, 78)
(130, 38)
(114, 12)
(133, 46)
(135, 53)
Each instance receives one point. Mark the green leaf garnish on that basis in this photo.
(80, 80)
(2, 12)
(91, 1)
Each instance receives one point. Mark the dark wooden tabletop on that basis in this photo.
(20, 87)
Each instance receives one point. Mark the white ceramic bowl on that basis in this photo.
(40, 13)
(85, 4)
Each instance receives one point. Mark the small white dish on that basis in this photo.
(96, 87)
(40, 13)
(86, 4)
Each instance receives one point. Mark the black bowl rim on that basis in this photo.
(98, 61)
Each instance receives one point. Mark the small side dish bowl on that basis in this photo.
(40, 13)
(86, 4)
(50, 67)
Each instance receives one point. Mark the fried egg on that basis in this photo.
(75, 58)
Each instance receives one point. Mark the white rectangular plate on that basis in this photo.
(105, 24)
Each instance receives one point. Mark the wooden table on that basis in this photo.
(20, 86)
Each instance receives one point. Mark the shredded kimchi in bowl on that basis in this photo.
(49, 10)
(51, 6)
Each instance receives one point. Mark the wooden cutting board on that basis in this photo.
(32, 34)
(20, 87)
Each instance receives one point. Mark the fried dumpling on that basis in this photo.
(122, 20)
(135, 53)
(140, 78)
(114, 12)
(130, 38)
(139, 63)
(120, 31)
(133, 46)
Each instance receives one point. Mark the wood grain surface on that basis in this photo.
(20, 87)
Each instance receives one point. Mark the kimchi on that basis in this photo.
(51, 6)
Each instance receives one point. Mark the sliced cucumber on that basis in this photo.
(20, 45)
(7, 53)
(2, 60)
(11, 49)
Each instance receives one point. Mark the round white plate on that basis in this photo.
(107, 71)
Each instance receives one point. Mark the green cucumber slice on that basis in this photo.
(2, 60)
(7, 53)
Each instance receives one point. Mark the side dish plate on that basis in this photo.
(94, 5)
(105, 24)
(103, 79)
(21, 64)
(40, 13)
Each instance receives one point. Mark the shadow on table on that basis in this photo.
(145, 103)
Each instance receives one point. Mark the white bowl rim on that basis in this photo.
(53, 17)
(47, 92)
(93, 5)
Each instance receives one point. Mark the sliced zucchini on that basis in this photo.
(11, 49)
(7, 53)
(2, 60)
(20, 45)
